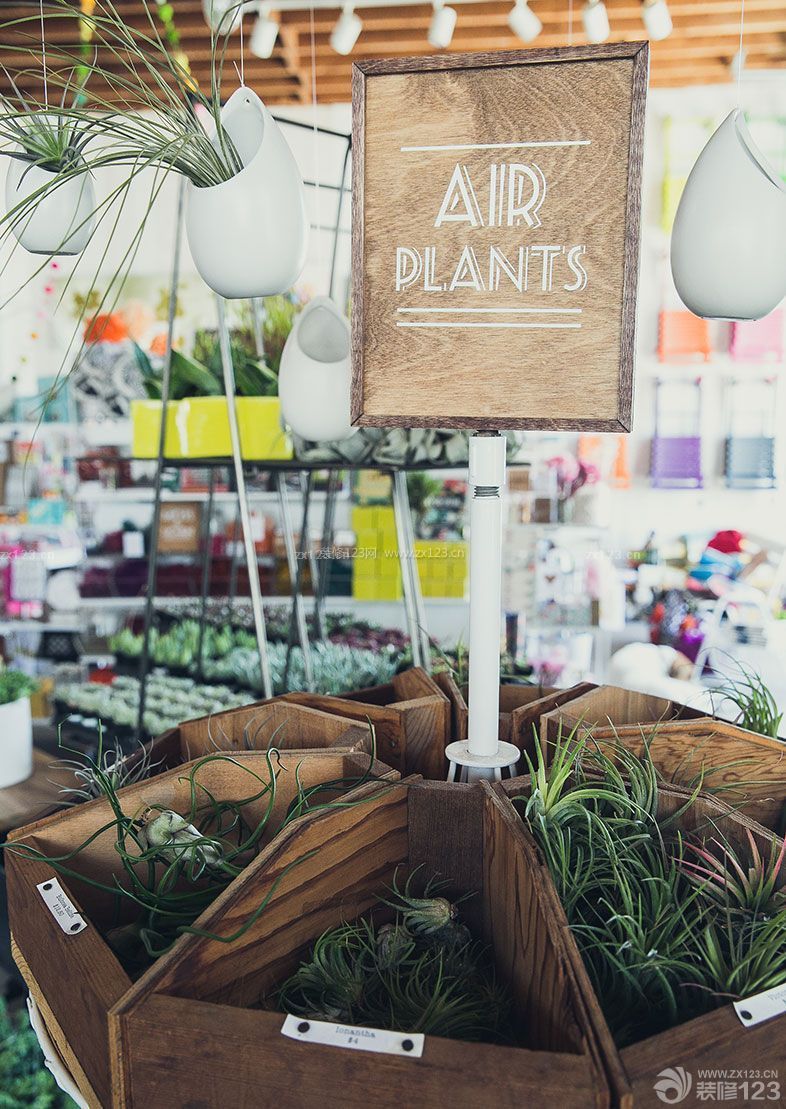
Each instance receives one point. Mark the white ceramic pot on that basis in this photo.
(64, 216)
(728, 245)
(248, 236)
(315, 376)
(16, 742)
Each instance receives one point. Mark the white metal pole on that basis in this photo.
(483, 755)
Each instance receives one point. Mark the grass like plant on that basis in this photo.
(757, 709)
(420, 972)
(670, 923)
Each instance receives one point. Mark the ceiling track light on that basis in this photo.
(264, 34)
(346, 31)
(442, 26)
(523, 21)
(595, 19)
(657, 19)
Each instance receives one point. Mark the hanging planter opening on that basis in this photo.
(248, 235)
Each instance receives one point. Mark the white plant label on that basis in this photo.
(355, 1039)
(61, 907)
(762, 1006)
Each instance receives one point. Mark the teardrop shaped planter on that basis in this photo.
(248, 235)
(62, 220)
(314, 377)
(728, 245)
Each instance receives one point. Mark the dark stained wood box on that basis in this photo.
(411, 718)
(193, 1033)
(257, 727)
(686, 746)
(716, 1041)
(76, 979)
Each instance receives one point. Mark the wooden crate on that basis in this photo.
(410, 714)
(77, 978)
(275, 722)
(520, 709)
(746, 769)
(193, 1033)
(716, 1041)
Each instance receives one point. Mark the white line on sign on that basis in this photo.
(547, 311)
(444, 323)
(495, 145)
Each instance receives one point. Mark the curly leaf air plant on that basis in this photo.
(172, 865)
(112, 766)
(671, 924)
(421, 972)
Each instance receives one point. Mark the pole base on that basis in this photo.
(466, 767)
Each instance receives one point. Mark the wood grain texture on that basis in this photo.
(464, 833)
(244, 1062)
(717, 1039)
(411, 716)
(78, 976)
(552, 370)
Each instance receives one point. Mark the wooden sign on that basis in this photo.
(180, 528)
(495, 238)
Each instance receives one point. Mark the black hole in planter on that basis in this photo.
(303, 1026)
(75, 927)
(47, 886)
(407, 1045)
(746, 1015)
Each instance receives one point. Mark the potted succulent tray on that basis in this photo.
(680, 921)
(686, 747)
(256, 727)
(282, 1009)
(520, 708)
(198, 427)
(101, 894)
(411, 718)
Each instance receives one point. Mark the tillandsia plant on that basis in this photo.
(420, 972)
(113, 767)
(25, 1082)
(171, 865)
(757, 709)
(671, 924)
(141, 112)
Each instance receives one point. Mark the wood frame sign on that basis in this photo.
(495, 238)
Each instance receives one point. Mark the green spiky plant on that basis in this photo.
(173, 865)
(757, 709)
(670, 924)
(419, 972)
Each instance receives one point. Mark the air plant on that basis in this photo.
(421, 972)
(172, 865)
(670, 924)
(757, 709)
(112, 767)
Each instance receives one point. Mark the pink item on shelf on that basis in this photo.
(758, 340)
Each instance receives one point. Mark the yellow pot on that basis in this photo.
(203, 428)
(146, 429)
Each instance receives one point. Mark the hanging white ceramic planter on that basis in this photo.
(314, 376)
(728, 245)
(248, 235)
(63, 218)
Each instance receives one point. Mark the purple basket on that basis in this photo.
(676, 462)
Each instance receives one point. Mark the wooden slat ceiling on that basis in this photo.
(700, 49)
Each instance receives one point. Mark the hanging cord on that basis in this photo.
(317, 175)
(242, 47)
(740, 56)
(43, 52)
